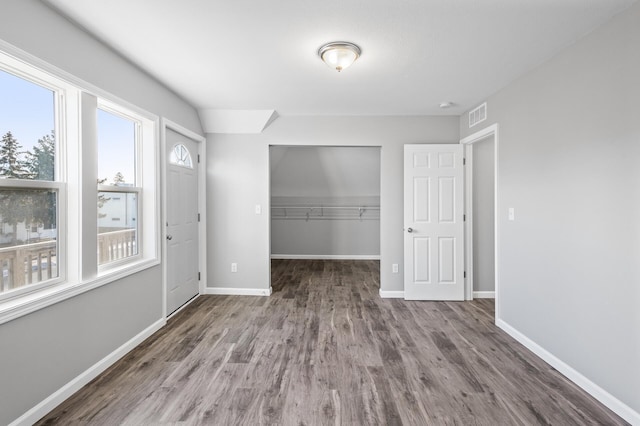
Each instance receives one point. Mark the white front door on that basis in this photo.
(182, 220)
(433, 222)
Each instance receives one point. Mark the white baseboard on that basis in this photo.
(327, 256)
(238, 291)
(59, 396)
(484, 294)
(385, 294)
(614, 404)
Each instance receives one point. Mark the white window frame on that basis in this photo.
(78, 272)
(139, 142)
(17, 68)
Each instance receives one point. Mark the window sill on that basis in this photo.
(14, 308)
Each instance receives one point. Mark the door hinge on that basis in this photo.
(198, 276)
(465, 274)
(198, 217)
(464, 217)
(198, 158)
(464, 161)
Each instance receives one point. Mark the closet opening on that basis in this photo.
(324, 212)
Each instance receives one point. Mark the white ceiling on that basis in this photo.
(256, 54)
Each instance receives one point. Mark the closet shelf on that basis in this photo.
(320, 212)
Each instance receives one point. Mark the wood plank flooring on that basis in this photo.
(325, 349)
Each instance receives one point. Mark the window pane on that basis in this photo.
(180, 156)
(27, 117)
(117, 225)
(28, 237)
(116, 150)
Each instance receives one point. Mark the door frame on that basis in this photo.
(165, 125)
(468, 142)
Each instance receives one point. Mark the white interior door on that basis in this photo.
(433, 222)
(182, 220)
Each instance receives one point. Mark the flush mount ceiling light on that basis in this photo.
(339, 54)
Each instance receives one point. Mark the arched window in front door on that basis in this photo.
(180, 156)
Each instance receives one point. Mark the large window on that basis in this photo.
(118, 193)
(29, 187)
(78, 187)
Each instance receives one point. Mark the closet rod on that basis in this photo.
(324, 218)
(325, 207)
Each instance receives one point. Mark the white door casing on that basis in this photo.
(489, 131)
(433, 222)
(182, 242)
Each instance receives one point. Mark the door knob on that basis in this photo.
(409, 230)
(169, 237)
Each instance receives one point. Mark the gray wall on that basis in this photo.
(44, 350)
(325, 171)
(325, 176)
(238, 179)
(343, 238)
(483, 216)
(568, 163)
(40, 31)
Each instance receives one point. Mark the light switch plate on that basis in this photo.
(394, 268)
(512, 213)
(258, 209)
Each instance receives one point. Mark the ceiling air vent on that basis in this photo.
(478, 115)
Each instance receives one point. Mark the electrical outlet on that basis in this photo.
(512, 213)
(234, 267)
(394, 268)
